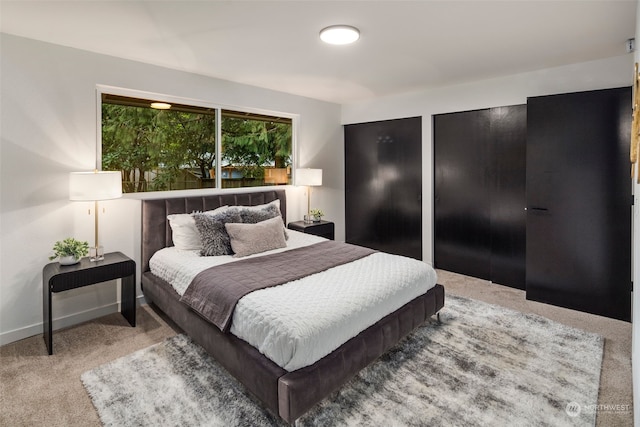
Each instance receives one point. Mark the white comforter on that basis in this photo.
(298, 323)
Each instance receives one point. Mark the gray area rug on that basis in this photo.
(483, 365)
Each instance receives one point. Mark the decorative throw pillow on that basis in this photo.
(215, 211)
(249, 239)
(258, 213)
(254, 214)
(275, 203)
(214, 237)
(184, 233)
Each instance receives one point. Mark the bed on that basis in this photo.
(287, 393)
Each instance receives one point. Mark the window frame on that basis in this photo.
(133, 93)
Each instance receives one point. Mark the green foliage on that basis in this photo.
(70, 247)
(162, 144)
(256, 143)
(316, 213)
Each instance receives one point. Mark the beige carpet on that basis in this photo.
(37, 389)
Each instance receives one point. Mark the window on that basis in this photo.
(179, 146)
(256, 150)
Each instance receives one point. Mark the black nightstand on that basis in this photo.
(58, 278)
(324, 229)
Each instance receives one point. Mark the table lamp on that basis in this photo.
(95, 186)
(310, 178)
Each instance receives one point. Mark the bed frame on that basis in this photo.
(285, 394)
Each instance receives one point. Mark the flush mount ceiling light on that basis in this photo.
(160, 105)
(339, 34)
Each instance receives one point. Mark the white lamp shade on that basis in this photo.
(309, 176)
(98, 185)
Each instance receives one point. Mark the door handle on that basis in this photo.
(535, 210)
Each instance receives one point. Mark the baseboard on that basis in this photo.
(63, 322)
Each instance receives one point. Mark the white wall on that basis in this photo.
(48, 119)
(512, 90)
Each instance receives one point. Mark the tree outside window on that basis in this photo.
(176, 148)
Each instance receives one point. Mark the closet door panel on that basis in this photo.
(462, 226)
(507, 157)
(579, 192)
(383, 185)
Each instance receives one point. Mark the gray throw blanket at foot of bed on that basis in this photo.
(214, 292)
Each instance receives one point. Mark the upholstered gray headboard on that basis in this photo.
(156, 232)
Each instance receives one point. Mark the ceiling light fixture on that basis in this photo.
(160, 105)
(340, 34)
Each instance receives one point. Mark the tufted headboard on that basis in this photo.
(156, 232)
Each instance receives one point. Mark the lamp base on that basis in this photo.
(96, 254)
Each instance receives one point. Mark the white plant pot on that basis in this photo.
(68, 260)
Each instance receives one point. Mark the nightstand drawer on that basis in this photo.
(324, 229)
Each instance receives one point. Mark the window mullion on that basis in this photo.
(218, 148)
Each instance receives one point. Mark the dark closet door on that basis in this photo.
(383, 185)
(508, 159)
(579, 197)
(479, 216)
(462, 225)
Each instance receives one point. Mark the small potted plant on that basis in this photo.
(69, 251)
(316, 214)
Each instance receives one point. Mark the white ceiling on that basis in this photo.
(404, 45)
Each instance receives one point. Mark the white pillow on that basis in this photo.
(249, 239)
(184, 233)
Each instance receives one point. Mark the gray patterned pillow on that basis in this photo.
(253, 215)
(214, 237)
(249, 239)
(259, 213)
